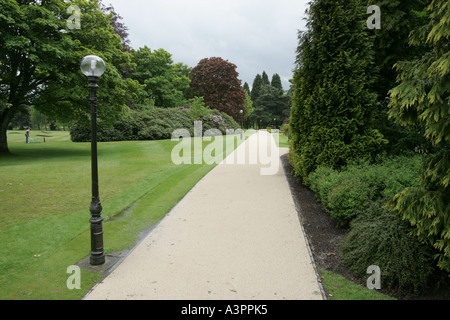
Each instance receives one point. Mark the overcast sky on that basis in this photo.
(255, 35)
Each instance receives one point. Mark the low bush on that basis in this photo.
(378, 237)
(348, 192)
(154, 124)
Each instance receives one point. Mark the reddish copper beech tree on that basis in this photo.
(216, 80)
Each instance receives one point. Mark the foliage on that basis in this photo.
(271, 107)
(248, 104)
(154, 124)
(119, 27)
(276, 82)
(378, 237)
(256, 87)
(197, 109)
(421, 100)
(40, 61)
(216, 80)
(269, 101)
(166, 83)
(350, 191)
(331, 116)
(391, 45)
(391, 42)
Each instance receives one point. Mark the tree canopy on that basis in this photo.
(166, 83)
(216, 80)
(40, 61)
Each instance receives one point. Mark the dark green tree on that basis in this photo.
(422, 101)
(331, 117)
(247, 88)
(265, 78)
(391, 44)
(256, 88)
(271, 107)
(276, 82)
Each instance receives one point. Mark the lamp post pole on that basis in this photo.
(242, 124)
(93, 67)
(97, 250)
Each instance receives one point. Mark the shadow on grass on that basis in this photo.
(24, 154)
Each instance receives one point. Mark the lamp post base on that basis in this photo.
(97, 259)
(97, 251)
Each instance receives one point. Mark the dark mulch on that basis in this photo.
(323, 234)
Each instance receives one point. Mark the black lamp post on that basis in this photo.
(242, 125)
(93, 67)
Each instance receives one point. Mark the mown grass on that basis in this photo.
(44, 200)
(339, 288)
(282, 140)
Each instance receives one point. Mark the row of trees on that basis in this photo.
(39, 68)
(360, 93)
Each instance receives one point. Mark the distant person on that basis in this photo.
(27, 135)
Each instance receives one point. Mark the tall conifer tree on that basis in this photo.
(331, 112)
(276, 82)
(256, 88)
(265, 78)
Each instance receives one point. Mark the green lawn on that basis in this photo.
(45, 192)
(283, 141)
(339, 288)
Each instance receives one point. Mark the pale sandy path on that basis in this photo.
(235, 236)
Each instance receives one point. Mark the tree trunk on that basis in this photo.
(5, 118)
(3, 136)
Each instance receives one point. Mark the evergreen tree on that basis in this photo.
(422, 100)
(256, 88)
(265, 78)
(276, 82)
(247, 88)
(391, 45)
(331, 113)
(271, 104)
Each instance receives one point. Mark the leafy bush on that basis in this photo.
(153, 124)
(197, 109)
(347, 192)
(378, 237)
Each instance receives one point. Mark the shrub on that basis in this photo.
(348, 198)
(378, 237)
(349, 191)
(153, 124)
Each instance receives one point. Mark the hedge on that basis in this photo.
(156, 124)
